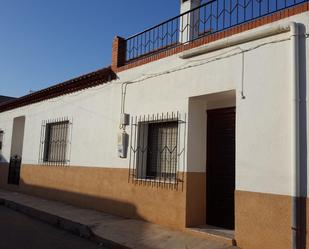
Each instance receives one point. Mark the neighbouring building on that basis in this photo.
(200, 120)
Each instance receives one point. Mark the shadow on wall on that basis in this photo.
(103, 189)
(3, 160)
(111, 206)
(303, 138)
(4, 165)
(79, 199)
(155, 203)
(116, 230)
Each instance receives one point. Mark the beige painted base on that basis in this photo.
(109, 190)
(196, 199)
(264, 221)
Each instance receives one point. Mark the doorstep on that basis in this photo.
(219, 234)
(111, 231)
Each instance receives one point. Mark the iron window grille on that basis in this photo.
(55, 144)
(157, 148)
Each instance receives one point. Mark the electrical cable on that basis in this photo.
(144, 77)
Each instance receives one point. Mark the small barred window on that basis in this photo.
(55, 142)
(156, 150)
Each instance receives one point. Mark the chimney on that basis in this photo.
(118, 52)
(190, 22)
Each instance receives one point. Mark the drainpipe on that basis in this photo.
(295, 157)
(234, 40)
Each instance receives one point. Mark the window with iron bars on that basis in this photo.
(55, 142)
(155, 148)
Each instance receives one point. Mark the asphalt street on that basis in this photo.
(18, 231)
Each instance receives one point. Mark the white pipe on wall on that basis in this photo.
(235, 40)
(295, 145)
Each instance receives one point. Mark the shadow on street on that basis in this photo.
(19, 231)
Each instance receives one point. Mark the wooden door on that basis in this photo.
(220, 167)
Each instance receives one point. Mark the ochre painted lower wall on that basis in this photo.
(261, 220)
(109, 190)
(264, 221)
(196, 199)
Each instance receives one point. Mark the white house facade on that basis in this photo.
(210, 129)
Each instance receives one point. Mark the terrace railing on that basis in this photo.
(210, 17)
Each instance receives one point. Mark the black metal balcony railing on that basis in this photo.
(210, 17)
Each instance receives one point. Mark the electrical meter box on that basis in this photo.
(122, 141)
(124, 119)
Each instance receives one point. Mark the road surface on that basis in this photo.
(18, 231)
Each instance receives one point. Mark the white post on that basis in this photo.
(189, 23)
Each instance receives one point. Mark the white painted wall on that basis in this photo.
(197, 126)
(262, 122)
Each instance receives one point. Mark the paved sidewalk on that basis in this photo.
(111, 231)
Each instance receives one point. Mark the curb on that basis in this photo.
(76, 228)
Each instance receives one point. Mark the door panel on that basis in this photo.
(220, 167)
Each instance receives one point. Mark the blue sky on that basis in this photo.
(44, 42)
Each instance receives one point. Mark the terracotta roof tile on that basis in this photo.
(85, 81)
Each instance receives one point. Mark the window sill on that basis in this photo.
(55, 163)
(166, 181)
